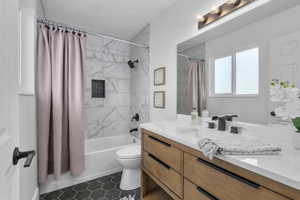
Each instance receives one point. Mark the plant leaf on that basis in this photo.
(296, 122)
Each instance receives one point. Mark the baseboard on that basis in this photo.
(36, 195)
(65, 182)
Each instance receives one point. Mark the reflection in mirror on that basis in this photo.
(191, 80)
(231, 72)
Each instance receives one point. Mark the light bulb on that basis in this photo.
(233, 2)
(215, 10)
(201, 18)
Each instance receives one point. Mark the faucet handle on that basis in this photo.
(215, 118)
(230, 117)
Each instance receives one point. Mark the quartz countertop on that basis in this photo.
(283, 168)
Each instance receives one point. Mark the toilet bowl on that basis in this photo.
(130, 159)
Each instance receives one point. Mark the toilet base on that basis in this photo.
(131, 179)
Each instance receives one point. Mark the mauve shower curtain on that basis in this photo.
(197, 87)
(60, 87)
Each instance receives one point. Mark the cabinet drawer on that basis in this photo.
(193, 192)
(163, 172)
(164, 151)
(223, 184)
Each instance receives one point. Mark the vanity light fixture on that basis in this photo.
(217, 12)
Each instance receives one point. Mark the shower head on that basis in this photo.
(131, 63)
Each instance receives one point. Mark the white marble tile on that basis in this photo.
(107, 121)
(117, 99)
(127, 90)
(107, 60)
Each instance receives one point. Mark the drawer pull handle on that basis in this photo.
(159, 161)
(157, 140)
(228, 173)
(207, 194)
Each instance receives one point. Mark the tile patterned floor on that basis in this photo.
(104, 188)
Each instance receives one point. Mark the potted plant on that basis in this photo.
(287, 97)
(296, 138)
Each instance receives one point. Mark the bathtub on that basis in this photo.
(100, 161)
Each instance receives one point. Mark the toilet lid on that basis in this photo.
(133, 151)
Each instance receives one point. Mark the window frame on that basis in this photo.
(233, 54)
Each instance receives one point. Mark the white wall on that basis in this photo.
(195, 52)
(39, 9)
(175, 25)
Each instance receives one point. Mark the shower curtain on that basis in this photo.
(60, 121)
(193, 85)
(197, 85)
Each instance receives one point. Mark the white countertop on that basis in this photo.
(283, 168)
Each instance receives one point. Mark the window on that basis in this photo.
(237, 74)
(223, 75)
(247, 66)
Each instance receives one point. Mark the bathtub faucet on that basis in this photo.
(132, 130)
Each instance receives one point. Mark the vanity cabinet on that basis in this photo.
(171, 170)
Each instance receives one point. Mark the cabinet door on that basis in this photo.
(223, 184)
(164, 150)
(164, 173)
(191, 191)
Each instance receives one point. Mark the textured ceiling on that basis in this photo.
(119, 18)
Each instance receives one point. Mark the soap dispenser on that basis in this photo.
(194, 116)
(205, 113)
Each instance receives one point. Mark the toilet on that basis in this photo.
(130, 159)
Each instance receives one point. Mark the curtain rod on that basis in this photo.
(186, 56)
(50, 22)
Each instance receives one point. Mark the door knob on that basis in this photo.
(20, 155)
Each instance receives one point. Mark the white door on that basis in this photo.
(16, 111)
(27, 120)
(9, 125)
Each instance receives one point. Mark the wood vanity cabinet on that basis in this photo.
(174, 171)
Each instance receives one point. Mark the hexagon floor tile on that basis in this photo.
(104, 188)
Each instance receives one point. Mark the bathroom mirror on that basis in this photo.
(230, 68)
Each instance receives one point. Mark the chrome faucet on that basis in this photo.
(222, 121)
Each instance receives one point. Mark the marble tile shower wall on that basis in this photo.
(127, 90)
(107, 60)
